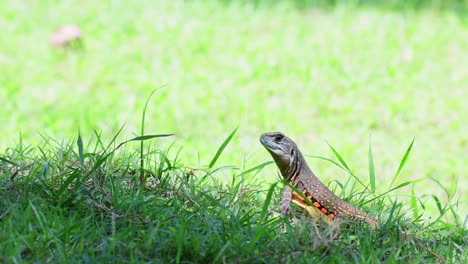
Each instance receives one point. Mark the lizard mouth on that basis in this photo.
(270, 145)
(267, 142)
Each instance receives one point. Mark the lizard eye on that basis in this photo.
(278, 138)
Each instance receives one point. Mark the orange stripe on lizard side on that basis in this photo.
(318, 205)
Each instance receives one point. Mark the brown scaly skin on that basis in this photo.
(322, 203)
(326, 205)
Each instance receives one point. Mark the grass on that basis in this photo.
(71, 203)
(331, 73)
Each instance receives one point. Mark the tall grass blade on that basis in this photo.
(329, 160)
(64, 186)
(438, 203)
(180, 242)
(298, 192)
(142, 132)
(113, 140)
(393, 189)
(256, 168)
(223, 168)
(9, 161)
(402, 163)
(79, 142)
(164, 158)
(264, 212)
(456, 217)
(414, 203)
(99, 143)
(371, 168)
(340, 158)
(221, 148)
(143, 138)
(343, 168)
(392, 213)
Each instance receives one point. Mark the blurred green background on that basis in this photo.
(335, 71)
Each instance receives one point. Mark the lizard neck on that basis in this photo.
(295, 167)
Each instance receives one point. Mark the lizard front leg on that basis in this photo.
(285, 204)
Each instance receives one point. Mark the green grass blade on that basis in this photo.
(329, 160)
(99, 143)
(146, 137)
(264, 212)
(69, 180)
(114, 139)
(79, 142)
(219, 169)
(180, 239)
(340, 158)
(371, 168)
(393, 189)
(143, 116)
(221, 148)
(221, 251)
(143, 138)
(438, 203)
(298, 192)
(9, 161)
(402, 163)
(343, 168)
(163, 157)
(256, 168)
(414, 203)
(142, 132)
(391, 214)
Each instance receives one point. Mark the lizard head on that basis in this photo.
(283, 150)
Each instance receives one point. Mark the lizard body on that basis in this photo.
(322, 202)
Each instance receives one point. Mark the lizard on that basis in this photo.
(326, 205)
(321, 202)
